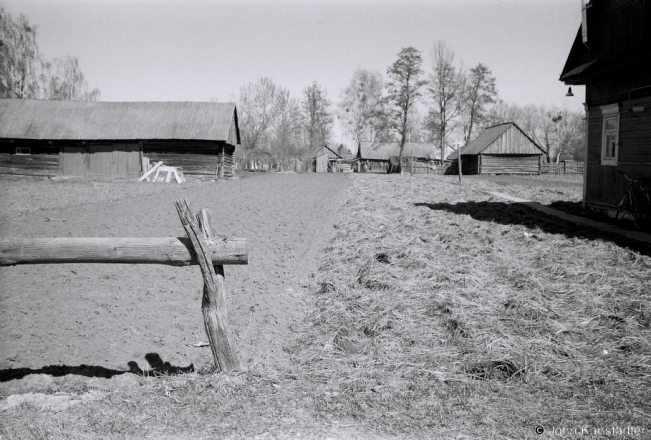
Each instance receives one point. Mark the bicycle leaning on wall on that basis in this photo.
(636, 202)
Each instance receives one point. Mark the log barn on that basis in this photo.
(109, 139)
(611, 55)
(500, 149)
(382, 151)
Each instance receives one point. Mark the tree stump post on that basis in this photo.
(213, 303)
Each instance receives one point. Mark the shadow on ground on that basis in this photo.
(158, 368)
(520, 214)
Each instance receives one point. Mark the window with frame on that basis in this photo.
(23, 150)
(610, 134)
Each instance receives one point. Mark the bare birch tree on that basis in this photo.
(256, 111)
(445, 89)
(62, 80)
(19, 57)
(24, 74)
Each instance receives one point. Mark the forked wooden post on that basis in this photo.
(213, 303)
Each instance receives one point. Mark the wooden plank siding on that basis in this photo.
(510, 164)
(604, 185)
(228, 165)
(198, 166)
(200, 160)
(114, 161)
(322, 163)
(512, 141)
(107, 139)
(73, 161)
(46, 165)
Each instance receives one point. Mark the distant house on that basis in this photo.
(382, 151)
(109, 139)
(322, 158)
(611, 56)
(500, 149)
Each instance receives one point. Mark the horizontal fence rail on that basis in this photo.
(171, 251)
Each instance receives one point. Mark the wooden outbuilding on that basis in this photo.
(109, 139)
(382, 151)
(500, 149)
(323, 159)
(611, 56)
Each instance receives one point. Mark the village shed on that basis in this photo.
(109, 139)
(373, 154)
(380, 152)
(322, 159)
(611, 55)
(501, 149)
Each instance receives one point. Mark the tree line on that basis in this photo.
(447, 106)
(26, 74)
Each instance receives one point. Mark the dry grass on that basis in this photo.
(436, 312)
(481, 316)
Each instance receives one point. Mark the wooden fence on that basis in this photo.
(564, 167)
(202, 246)
(423, 168)
(298, 166)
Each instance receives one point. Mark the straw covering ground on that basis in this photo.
(436, 311)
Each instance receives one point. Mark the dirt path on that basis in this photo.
(108, 315)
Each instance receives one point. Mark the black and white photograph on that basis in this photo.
(325, 219)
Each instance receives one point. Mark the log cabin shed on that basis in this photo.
(611, 55)
(382, 151)
(501, 149)
(109, 139)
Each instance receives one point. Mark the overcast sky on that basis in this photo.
(195, 50)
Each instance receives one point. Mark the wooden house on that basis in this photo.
(500, 149)
(109, 139)
(611, 55)
(382, 151)
(323, 158)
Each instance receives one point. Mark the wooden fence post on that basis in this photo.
(213, 303)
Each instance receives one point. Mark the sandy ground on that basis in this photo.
(108, 314)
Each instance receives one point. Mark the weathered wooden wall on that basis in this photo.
(196, 159)
(43, 159)
(228, 165)
(510, 164)
(73, 161)
(604, 185)
(203, 166)
(106, 160)
(512, 141)
(322, 163)
(46, 165)
(109, 160)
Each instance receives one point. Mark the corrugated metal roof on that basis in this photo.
(382, 151)
(91, 120)
(487, 137)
